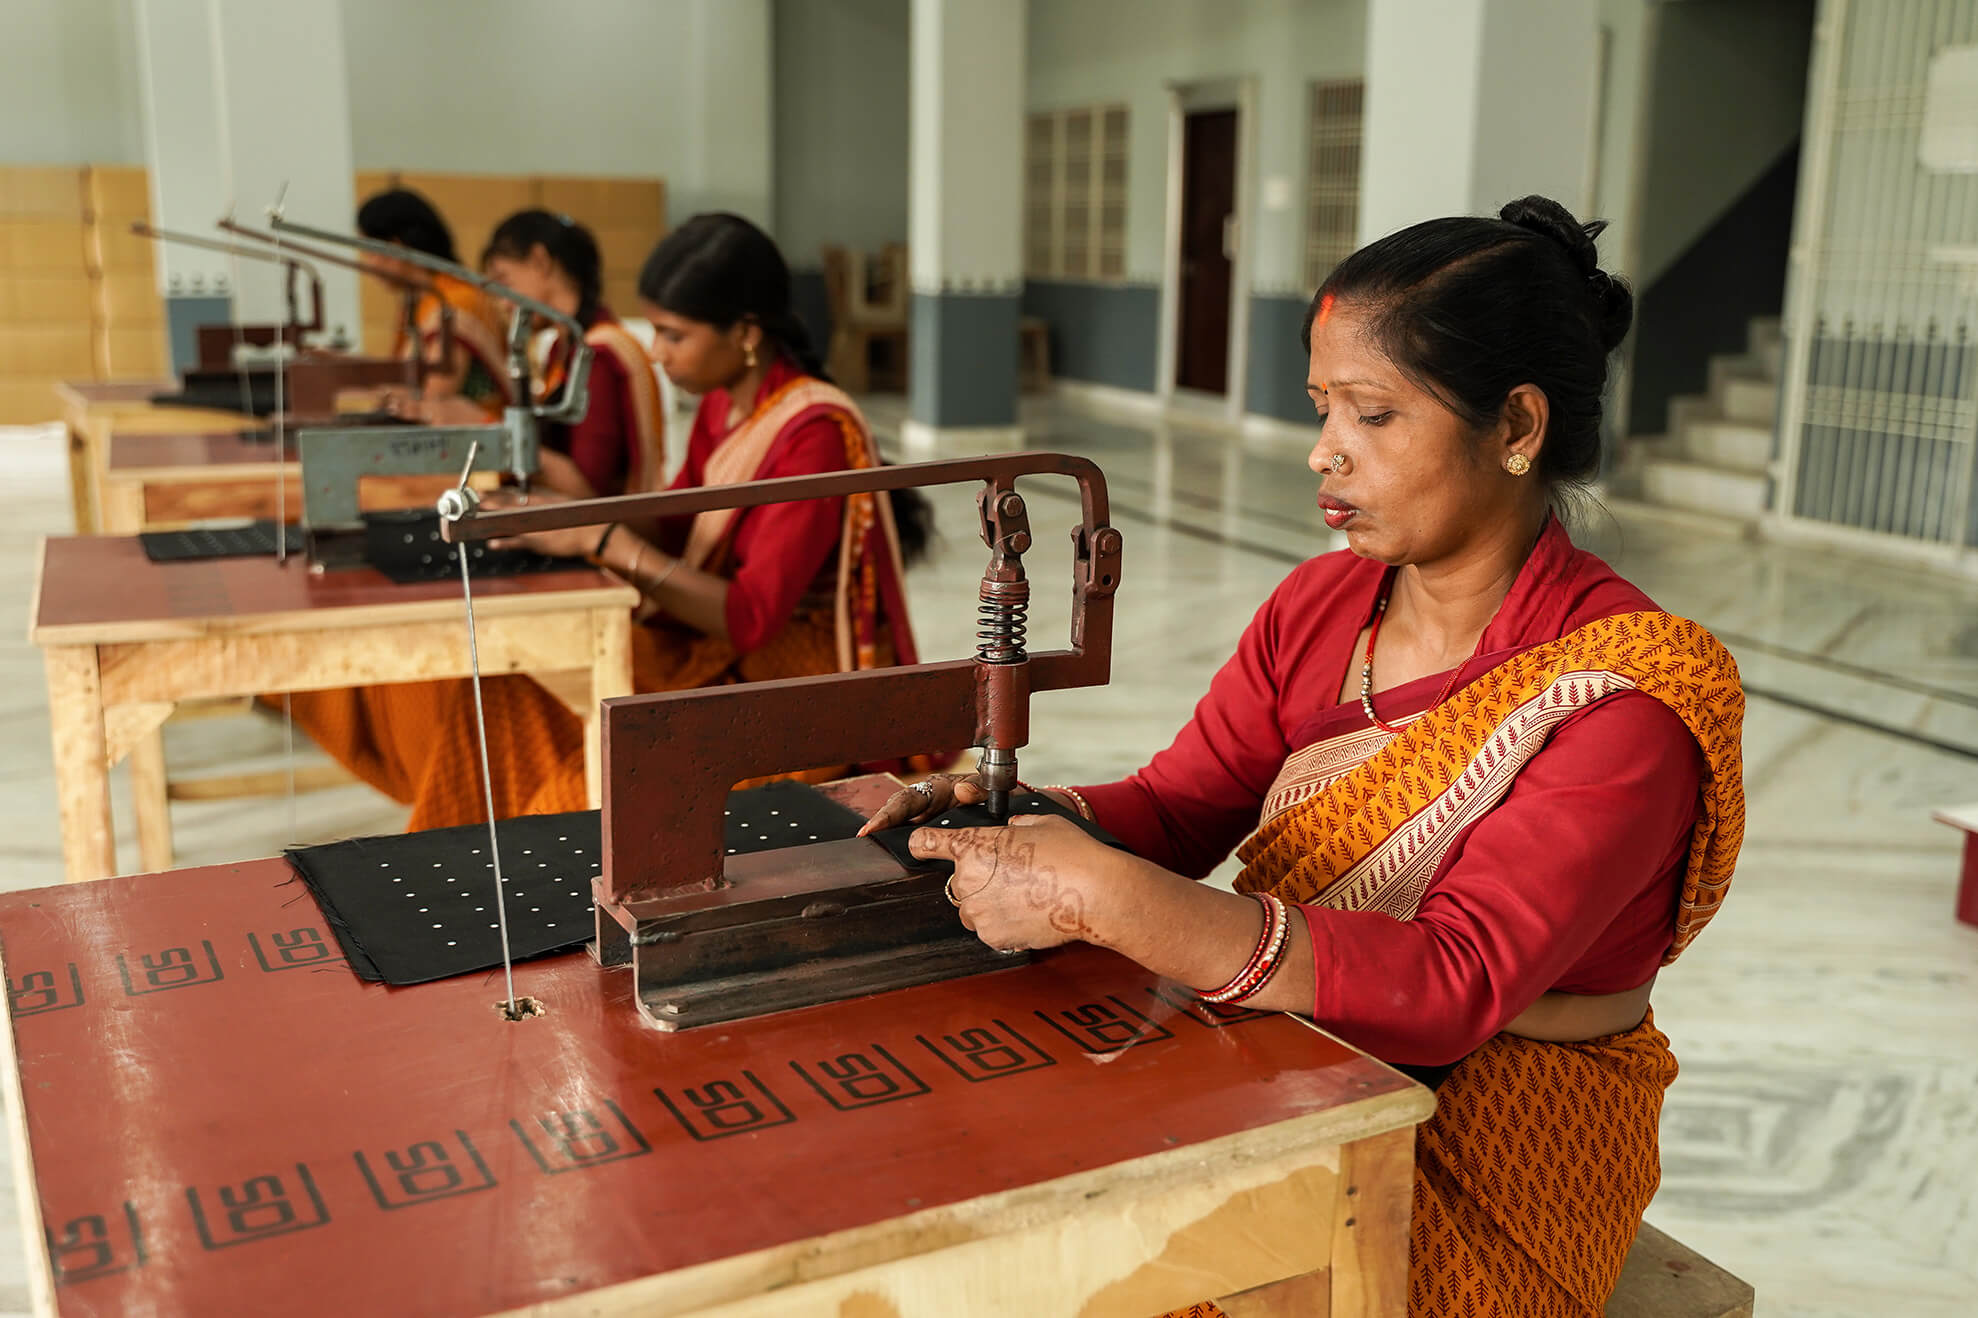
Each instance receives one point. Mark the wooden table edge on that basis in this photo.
(757, 1273)
(604, 594)
(27, 1190)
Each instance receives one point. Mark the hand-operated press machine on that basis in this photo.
(711, 938)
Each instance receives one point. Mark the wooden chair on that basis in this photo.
(1034, 354)
(858, 322)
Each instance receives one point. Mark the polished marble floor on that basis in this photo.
(1822, 1141)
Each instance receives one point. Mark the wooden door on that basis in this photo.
(1208, 216)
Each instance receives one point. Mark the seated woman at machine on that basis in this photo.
(785, 590)
(619, 446)
(476, 373)
(1487, 787)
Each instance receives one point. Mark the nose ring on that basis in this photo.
(1338, 461)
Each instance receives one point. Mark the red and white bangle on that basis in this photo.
(1083, 806)
(1264, 961)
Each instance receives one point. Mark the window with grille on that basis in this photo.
(1332, 207)
(1074, 224)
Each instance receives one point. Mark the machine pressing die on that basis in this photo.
(710, 938)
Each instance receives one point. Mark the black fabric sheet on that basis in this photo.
(405, 545)
(255, 540)
(977, 816)
(421, 906)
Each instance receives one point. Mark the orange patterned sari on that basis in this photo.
(1531, 1178)
(478, 331)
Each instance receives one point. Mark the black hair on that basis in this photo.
(1470, 308)
(568, 243)
(403, 216)
(720, 269)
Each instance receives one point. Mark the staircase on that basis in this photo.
(1716, 457)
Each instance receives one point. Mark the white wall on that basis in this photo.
(675, 88)
(1726, 96)
(1129, 50)
(841, 125)
(1628, 25)
(68, 84)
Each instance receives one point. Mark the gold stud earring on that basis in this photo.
(1517, 464)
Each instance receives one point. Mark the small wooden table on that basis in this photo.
(125, 639)
(154, 480)
(88, 409)
(212, 1115)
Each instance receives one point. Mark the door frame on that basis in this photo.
(1184, 98)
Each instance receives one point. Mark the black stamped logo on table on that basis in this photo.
(864, 1078)
(577, 1139)
(721, 1108)
(425, 1171)
(259, 1208)
(1106, 1026)
(96, 1245)
(173, 968)
(295, 949)
(989, 1051)
(41, 991)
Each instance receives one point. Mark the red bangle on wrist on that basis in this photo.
(1264, 960)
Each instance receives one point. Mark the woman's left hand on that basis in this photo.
(567, 542)
(1030, 885)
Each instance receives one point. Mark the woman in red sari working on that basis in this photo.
(472, 384)
(619, 447)
(786, 590)
(1483, 787)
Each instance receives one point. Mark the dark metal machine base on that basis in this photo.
(851, 923)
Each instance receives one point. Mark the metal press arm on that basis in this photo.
(574, 401)
(663, 831)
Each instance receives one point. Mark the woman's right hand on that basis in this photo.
(912, 805)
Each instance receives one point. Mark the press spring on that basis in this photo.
(1002, 622)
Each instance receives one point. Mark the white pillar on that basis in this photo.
(1473, 103)
(241, 99)
(965, 216)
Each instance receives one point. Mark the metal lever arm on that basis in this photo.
(574, 401)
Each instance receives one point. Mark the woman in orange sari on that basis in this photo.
(1489, 789)
(476, 373)
(786, 590)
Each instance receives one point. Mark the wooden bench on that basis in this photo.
(1663, 1278)
(1965, 817)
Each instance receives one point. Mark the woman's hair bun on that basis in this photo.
(1546, 216)
(1614, 303)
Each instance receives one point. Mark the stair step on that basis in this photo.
(1761, 332)
(1700, 487)
(1729, 443)
(1745, 398)
(1773, 358)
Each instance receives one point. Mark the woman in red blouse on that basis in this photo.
(1487, 788)
(620, 445)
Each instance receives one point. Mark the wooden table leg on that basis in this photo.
(82, 770)
(82, 475)
(150, 793)
(611, 675)
(122, 512)
(1370, 1230)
